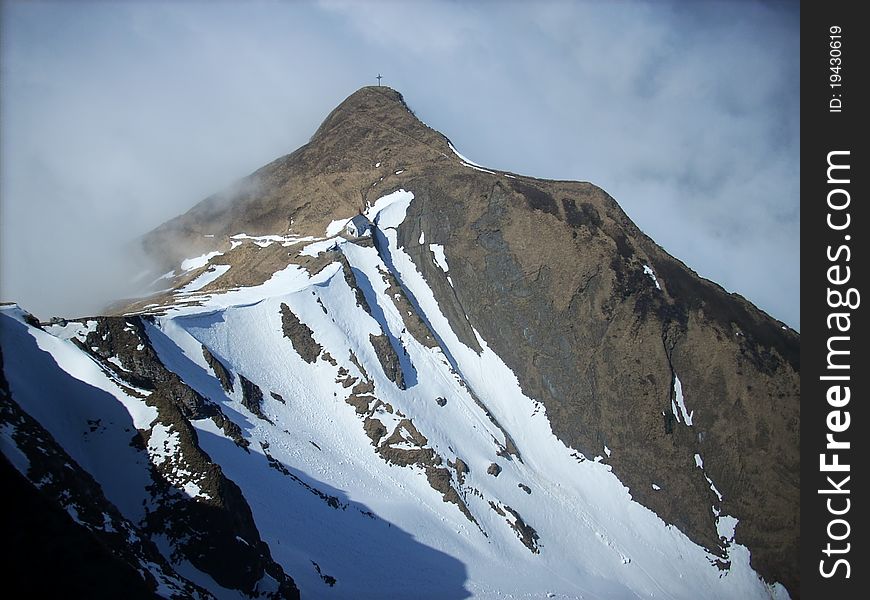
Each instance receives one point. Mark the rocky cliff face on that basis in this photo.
(187, 507)
(600, 325)
(689, 394)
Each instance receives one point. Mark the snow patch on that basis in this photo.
(700, 464)
(648, 270)
(163, 443)
(469, 163)
(545, 458)
(336, 227)
(204, 279)
(73, 329)
(389, 211)
(462, 157)
(192, 489)
(288, 280)
(440, 257)
(264, 241)
(189, 264)
(117, 362)
(322, 246)
(725, 526)
(680, 403)
(713, 487)
(10, 449)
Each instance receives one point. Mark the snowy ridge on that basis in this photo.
(58, 368)
(94, 424)
(468, 163)
(336, 437)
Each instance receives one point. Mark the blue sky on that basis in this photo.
(118, 116)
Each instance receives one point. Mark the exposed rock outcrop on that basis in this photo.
(201, 513)
(220, 371)
(389, 360)
(300, 335)
(252, 397)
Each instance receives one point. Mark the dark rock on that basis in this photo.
(363, 387)
(232, 431)
(220, 371)
(527, 534)
(439, 479)
(350, 279)
(411, 318)
(461, 470)
(300, 335)
(536, 198)
(121, 338)
(252, 397)
(406, 429)
(361, 403)
(389, 360)
(493, 470)
(327, 579)
(374, 429)
(584, 215)
(330, 500)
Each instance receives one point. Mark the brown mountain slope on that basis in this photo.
(552, 276)
(330, 177)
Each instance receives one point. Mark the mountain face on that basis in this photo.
(502, 387)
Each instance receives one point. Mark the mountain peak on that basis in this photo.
(362, 147)
(374, 120)
(368, 101)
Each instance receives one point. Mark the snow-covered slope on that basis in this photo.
(379, 455)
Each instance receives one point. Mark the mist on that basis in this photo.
(118, 117)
